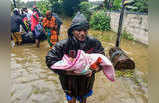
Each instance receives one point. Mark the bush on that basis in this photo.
(100, 21)
(85, 9)
(44, 5)
(127, 36)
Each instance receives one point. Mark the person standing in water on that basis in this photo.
(50, 26)
(75, 86)
(16, 21)
(34, 22)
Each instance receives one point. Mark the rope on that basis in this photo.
(115, 53)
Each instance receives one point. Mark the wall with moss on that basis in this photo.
(135, 24)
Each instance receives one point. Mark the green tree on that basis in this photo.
(43, 6)
(71, 6)
(100, 21)
(57, 6)
(85, 9)
(142, 5)
(116, 5)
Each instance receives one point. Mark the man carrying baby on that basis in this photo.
(75, 86)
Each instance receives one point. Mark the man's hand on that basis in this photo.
(98, 68)
(89, 74)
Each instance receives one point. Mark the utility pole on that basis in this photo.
(14, 3)
(124, 4)
(120, 24)
(118, 57)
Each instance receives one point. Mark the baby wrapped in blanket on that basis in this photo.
(84, 63)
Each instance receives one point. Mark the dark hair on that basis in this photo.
(16, 11)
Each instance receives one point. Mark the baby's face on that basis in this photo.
(71, 59)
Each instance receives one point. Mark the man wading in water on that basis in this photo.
(74, 85)
(50, 26)
(16, 21)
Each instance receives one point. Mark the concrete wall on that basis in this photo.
(135, 24)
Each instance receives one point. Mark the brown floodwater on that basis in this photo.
(33, 82)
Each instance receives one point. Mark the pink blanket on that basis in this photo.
(83, 62)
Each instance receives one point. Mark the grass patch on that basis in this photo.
(125, 73)
(127, 36)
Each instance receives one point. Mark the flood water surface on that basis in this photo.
(32, 81)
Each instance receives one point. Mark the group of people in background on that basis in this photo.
(36, 24)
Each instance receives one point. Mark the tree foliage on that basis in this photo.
(100, 21)
(140, 5)
(56, 6)
(85, 9)
(71, 6)
(43, 6)
(116, 5)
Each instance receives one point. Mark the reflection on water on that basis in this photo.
(33, 82)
